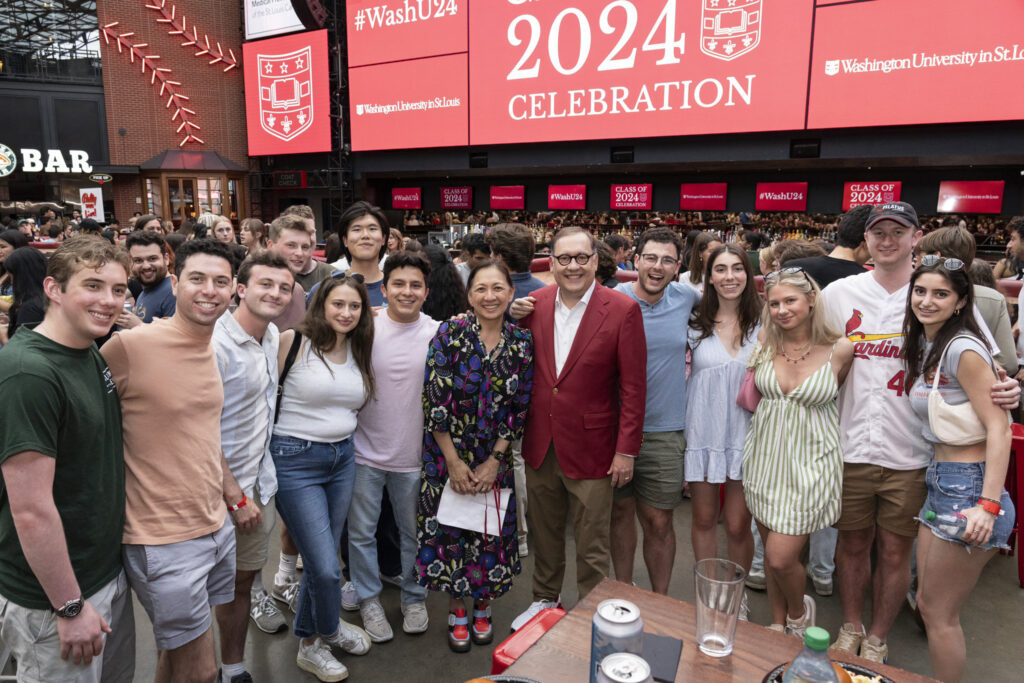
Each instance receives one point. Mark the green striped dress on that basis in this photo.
(792, 459)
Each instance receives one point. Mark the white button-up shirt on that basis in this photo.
(248, 369)
(567, 323)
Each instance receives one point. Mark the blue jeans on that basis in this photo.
(403, 491)
(821, 557)
(314, 491)
(956, 486)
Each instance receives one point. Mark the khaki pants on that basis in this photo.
(519, 472)
(32, 636)
(552, 495)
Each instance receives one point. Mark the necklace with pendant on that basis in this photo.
(790, 359)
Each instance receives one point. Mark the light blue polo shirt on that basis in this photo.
(665, 326)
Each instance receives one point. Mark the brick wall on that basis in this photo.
(133, 104)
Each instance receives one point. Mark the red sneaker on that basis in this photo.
(458, 631)
(483, 629)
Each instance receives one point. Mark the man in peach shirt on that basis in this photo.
(179, 548)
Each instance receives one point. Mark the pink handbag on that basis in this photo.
(749, 396)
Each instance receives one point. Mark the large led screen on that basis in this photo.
(536, 70)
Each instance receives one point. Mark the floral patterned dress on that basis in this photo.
(477, 398)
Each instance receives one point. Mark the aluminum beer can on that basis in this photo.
(624, 667)
(617, 628)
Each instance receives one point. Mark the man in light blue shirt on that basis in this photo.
(246, 343)
(657, 484)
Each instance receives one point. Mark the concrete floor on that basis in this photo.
(992, 623)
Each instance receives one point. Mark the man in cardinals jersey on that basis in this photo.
(884, 452)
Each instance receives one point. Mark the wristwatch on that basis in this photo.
(70, 609)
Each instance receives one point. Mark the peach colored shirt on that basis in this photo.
(171, 399)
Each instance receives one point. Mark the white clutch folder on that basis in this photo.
(480, 512)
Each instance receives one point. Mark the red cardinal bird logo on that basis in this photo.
(853, 323)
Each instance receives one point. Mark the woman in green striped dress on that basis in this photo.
(792, 462)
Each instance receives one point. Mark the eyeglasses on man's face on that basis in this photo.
(566, 259)
(652, 259)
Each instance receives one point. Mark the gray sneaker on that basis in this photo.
(265, 614)
(288, 593)
(374, 621)
(415, 618)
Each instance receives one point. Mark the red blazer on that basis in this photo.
(595, 408)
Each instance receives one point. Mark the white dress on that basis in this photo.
(716, 428)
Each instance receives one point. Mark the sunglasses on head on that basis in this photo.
(341, 277)
(791, 270)
(947, 263)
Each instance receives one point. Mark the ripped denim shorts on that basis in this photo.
(956, 486)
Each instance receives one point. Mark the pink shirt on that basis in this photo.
(389, 427)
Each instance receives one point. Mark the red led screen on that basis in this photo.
(381, 31)
(870, 192)
(595, 69)
(456, 197)
(702, 196)
(406, 198)
(287, 91)
(971, 196)
(632, 196)
(409, 104)
(781, 197)
(508, 196)
(567, 196)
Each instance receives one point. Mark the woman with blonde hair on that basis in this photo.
(792, 461)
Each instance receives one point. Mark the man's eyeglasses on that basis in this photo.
(566, 259)
(652, 259)
(935, 260)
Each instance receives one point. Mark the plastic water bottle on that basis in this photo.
(952, 525)
(812, 665)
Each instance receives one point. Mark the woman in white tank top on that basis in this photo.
(329, 381)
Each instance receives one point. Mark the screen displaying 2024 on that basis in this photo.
(435, 73)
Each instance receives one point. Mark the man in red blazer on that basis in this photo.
(586, 415)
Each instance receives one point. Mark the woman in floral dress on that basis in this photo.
(478, 380)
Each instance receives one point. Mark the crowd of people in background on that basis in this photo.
(367, 399)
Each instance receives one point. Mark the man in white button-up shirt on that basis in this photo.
(246, 343)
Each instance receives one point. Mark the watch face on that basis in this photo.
(71, 609)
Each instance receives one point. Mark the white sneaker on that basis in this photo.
(374, 621)
(531, 612)
(265, 614)
(351, 638)
(524, 549)
(415, 618)
(797, 627)
(756, 579)
(288, 593)
(318, 660)
(349, 601)
(395, 580)
(823, 585)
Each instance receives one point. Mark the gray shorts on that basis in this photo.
(658, 471)
(32, 636)
(178, 583)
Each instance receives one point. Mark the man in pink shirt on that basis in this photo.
(389, 442)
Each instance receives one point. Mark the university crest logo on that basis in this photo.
(831, 67)
(286, 93)
(730, 28)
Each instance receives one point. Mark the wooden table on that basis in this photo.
(563, 653)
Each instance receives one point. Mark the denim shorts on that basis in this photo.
(956, 486)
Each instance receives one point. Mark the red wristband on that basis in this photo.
(990, 506)
(239, 506)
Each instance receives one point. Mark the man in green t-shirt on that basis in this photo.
(65, 605)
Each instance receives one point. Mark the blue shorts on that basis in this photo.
(956, 486)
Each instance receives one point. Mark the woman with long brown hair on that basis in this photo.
(329, 379)
(946, 353)
(253, 233)
(723, 333)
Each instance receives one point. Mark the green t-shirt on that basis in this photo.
(62, 403)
